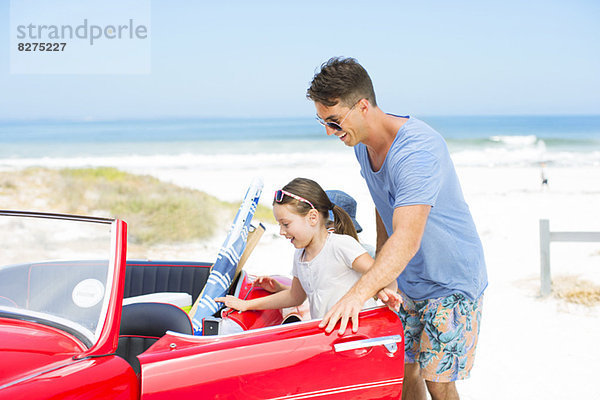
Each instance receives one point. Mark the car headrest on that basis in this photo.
(153, 319)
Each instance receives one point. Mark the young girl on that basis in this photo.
(326, 265)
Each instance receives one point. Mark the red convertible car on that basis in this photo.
(65, 333)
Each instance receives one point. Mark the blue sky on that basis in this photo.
(256, 59)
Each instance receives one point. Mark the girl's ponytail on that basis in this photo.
(342, 222)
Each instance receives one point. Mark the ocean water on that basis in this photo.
(472, 140)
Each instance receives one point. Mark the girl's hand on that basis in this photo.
(269, 284)
(233, 302)
(390, 298)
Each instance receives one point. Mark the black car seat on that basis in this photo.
(142, 324)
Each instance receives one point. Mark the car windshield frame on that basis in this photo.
(89, 337)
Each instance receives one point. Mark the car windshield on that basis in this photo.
(56, 270)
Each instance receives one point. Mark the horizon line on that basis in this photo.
(258, 118)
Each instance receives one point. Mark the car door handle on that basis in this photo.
(389, 342)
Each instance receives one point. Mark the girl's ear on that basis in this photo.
(313, 217)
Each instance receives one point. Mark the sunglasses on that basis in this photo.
(279, 194)
(335, 125)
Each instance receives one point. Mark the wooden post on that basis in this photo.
(545, 280)
(545, 238)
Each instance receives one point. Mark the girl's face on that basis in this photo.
(299, 229)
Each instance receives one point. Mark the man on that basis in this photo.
(426, 238)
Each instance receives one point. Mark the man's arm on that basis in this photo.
(409, 225)
(389, 294)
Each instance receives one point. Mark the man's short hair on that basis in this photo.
(341, 80)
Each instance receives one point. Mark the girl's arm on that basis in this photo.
(293, 296)
(269, 284)
(389, 294)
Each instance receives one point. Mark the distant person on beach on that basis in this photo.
(302, 209)
(426, 237)
(543, 175)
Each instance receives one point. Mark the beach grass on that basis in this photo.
(156, 211)
(576, 290)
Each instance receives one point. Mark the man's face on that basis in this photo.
(346, 117)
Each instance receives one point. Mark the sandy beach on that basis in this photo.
(530, 347)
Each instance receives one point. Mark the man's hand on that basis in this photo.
(269, 284)
(344, 310)
(390, 298)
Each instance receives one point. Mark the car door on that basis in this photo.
(292, 361)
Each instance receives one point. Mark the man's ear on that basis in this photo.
(364, 105)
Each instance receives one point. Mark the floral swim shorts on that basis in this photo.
(441, 335)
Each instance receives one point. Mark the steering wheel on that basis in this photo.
(5, 301)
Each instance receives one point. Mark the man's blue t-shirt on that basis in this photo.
(418, 170)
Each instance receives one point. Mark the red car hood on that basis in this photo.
(28, 349)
